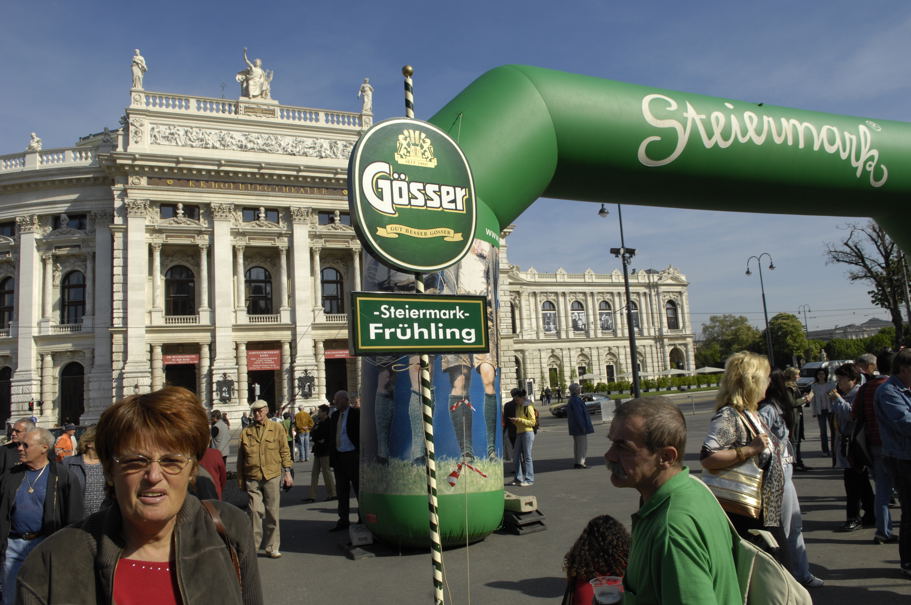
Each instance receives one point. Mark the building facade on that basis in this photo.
(557, 328)
(204, 243)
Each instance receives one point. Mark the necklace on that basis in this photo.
(31, 484)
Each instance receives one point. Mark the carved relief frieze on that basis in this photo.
(222, 212)
(28, 223)
(300, 215)
(137, 180)
(228, 140)
(137, 130)
(137, 208)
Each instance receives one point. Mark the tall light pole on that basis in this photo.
(626, 255)
(765, 310)
(805, 309)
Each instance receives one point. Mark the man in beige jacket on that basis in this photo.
(263, 466)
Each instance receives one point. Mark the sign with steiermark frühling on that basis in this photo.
(414, 323)
(412, 195)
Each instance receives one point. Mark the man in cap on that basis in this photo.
(66, 443)
(263, 466)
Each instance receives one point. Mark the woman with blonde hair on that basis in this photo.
(737, 433)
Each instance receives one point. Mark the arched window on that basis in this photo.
(7, 301)
(180, 291)
(333, 298)
(577, 315)
(605, 316)
(673, 318)
(259, 291)
(549, 317)
(634, 311)
(72, 298)
(72, 390)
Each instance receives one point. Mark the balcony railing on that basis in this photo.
(336, 318)
(66, 328)
(64, 157)
(4, 333)
(264, 319)
(181, 320)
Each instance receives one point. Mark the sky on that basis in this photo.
(68, 75)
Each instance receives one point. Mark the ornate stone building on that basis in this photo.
(559, 327)
(204, 243)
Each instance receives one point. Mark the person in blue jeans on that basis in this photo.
(525, 420)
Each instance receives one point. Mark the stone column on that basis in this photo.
(202, 377)
(242, 374)
(47, 381)
(203, 278)
(224, 355)
(157, 368)
(356, 283)
(317, 278)
(283, 278)
(240, 294)
(89, 284)
(301, 294)
(156, 277)
(319, 385)
(48, 286)
(100, 381)
(287, 387)
(136, 369)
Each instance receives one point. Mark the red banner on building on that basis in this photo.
(176, 359)
(337, 354)
(264, 360)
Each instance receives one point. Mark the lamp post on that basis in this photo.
(626, 254)
(805, 309)
(765, 311)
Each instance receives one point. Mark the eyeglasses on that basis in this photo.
(171, 464)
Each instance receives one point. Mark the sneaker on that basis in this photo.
(273, 554)
(812, 582)
(516, 482)
(526, 484)
(851, 525)
(880, 539)
(579, 466)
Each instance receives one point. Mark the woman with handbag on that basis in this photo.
(740, 453)
(772, 408)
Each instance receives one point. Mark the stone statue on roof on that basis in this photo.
(34, 143)
(255, 82)
(366, 93)
(139, 68)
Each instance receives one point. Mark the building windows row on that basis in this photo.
(605, 316)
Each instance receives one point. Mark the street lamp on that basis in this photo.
(805, 309)
(765, 311)
(626, 255)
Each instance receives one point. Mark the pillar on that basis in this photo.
(356, 283)
(287, 387)
(157, 368)
(156, 277)
(242, 374)
(203, 278)
(283, 278)
(317, 278)
(48, 285)
(89, 284)
(47, 381)
(202, 377)
(240, 294)
(319, 385)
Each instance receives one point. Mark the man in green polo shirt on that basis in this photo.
(682, 549)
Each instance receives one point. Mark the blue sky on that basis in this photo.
(68, 75)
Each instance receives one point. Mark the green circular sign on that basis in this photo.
(412, 195)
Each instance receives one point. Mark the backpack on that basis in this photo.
(762, 579)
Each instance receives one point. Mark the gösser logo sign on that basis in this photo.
(412, 195)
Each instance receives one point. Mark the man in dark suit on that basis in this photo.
(9, 453)
(345, 427)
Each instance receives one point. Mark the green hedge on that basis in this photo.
(663, 382)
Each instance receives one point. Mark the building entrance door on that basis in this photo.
(181, 375)
(72, 393)
(265, 381)
(336, 376)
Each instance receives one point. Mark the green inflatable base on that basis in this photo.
(404, 520)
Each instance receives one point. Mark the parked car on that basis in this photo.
(808, 372)
(592, 404)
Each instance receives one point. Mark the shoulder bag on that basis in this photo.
(220, 528)
(738, 488)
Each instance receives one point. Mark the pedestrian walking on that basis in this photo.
(580, 425)
(525, 421)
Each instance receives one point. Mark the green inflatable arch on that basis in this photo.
(530, 132)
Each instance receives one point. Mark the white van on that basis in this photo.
(808, 372)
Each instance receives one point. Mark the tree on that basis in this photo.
(876, 260)
(788, 339)
(845, 348)
(723, 335)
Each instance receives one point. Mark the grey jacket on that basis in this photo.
(60, 569)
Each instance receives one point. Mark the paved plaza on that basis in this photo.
(505, 568)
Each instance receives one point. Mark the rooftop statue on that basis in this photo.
(34, 143)
(366, 91)
(139, 68)
(255, 82)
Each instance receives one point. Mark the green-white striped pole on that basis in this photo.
(436, 544)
